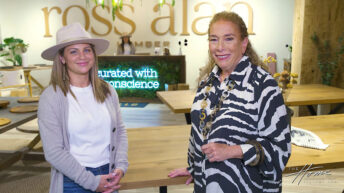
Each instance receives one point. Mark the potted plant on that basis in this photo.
(12, 48)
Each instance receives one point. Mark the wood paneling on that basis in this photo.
(297, 36)
(326, 18)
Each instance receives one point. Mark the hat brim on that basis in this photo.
(100, 46)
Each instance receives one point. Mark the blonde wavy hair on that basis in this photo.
(60, 78)
(250, 52)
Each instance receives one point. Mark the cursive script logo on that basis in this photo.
(306, 171)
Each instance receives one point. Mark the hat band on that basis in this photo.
(73, 39)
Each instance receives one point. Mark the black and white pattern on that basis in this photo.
(253, 110)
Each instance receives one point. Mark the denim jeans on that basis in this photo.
(69, 186)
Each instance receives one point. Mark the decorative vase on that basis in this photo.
(25, 62)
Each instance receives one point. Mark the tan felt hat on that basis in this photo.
(125, 34)
(74, 34)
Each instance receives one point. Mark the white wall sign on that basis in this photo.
(151, 26)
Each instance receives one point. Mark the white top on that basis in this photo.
(88, 128)
(126, 49)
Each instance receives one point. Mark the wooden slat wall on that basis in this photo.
(298, 36)
(326, 18)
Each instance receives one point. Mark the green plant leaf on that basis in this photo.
(4, 54)
(11, 60)
(113, 13)
(119, 5)
(329, 57)
(15, 47)
(315, 38)
(2, 46)
(8, 41)
(18, 59)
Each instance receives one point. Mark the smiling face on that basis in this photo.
(79, 59)
(226, 45)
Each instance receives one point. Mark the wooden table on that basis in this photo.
(180, 101)
(28, 77)
(16, 120)
(314, 94)
(155, 151)
(330, 128)
(310, 94)
(12, 68)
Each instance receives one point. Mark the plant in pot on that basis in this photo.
(12, 48)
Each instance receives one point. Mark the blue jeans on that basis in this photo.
(69, 186)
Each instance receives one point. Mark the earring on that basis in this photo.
(64, 74)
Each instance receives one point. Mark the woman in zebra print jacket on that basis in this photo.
(240, 139)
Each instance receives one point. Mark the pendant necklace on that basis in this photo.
(206, 126)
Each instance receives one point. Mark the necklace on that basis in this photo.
(206, 126)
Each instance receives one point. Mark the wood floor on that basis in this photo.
(33, 177)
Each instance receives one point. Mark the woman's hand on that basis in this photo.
(118, 174)
(220, 152)
(181, 172)
(110, 182)
(106, 183)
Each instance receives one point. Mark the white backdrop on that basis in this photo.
(272, 25)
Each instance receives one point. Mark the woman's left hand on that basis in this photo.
(220, 152)
(118, 174)
(216, 151)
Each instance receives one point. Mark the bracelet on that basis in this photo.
(259, 153)
(262, 154)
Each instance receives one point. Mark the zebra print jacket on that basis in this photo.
(253, 110)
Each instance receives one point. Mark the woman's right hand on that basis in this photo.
(181, 172)
(107, 183)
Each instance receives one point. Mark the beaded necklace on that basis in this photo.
(206, 126)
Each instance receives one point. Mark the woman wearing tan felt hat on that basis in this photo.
(126, 47)
(83, 135)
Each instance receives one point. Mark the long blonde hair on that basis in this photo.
(60, 78)
(250, 52)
